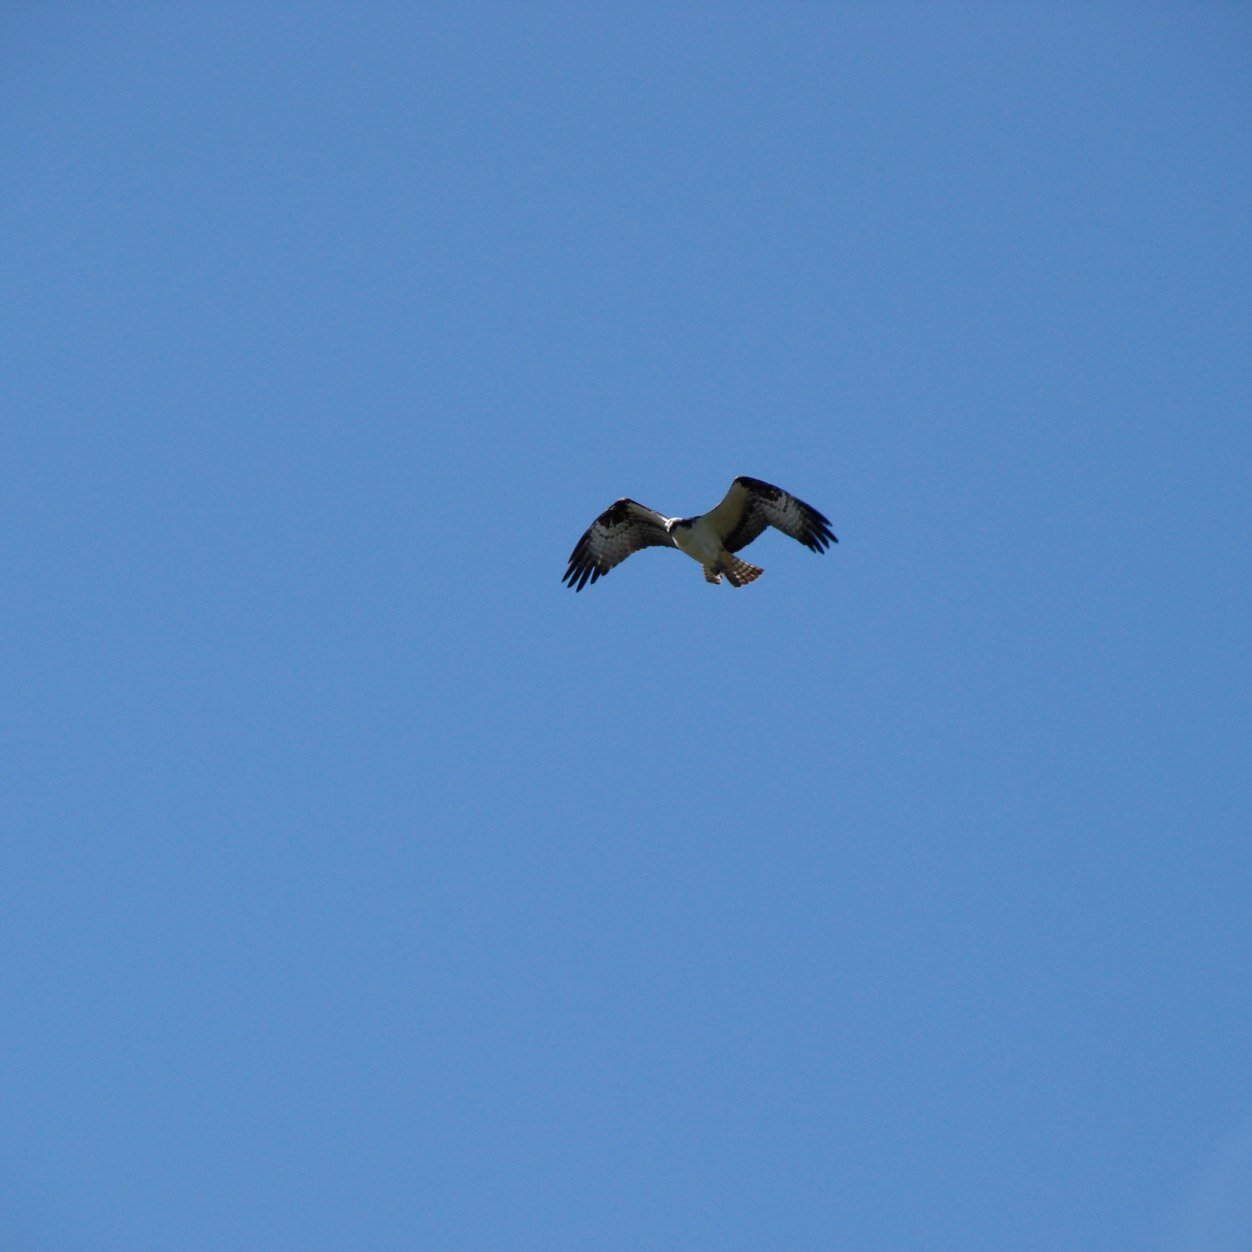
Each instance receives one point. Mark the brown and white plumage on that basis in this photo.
(749, 507)
(624, 527)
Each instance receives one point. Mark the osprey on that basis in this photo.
(712, 539)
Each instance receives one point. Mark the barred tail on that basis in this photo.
(739, 573)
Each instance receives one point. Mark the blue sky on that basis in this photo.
(365, 888)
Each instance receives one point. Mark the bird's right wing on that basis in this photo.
(624, 527)
(751, 505)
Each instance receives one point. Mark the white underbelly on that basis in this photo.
(700, 542)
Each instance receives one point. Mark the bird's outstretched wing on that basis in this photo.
(751, 505)
(624, 527)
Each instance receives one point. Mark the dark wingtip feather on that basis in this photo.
(582, 567)
(821, 537)
(579, 566)
(817, 535)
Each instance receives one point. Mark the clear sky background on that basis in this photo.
(365, 888)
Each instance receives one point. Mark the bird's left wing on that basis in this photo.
(751, 505)
(624, 527)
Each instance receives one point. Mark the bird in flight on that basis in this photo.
(712, 539)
